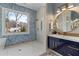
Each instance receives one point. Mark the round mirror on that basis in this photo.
(67, 21)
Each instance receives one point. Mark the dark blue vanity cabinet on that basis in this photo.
(63, 46)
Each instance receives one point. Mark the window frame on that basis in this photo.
(4, 25)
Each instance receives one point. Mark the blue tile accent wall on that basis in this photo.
(0, 21)
(50, 8)
(13, 39)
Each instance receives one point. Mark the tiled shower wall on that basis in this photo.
(13, 39)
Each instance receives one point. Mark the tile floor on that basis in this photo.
(33, 48)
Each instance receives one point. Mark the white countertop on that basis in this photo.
(71, 38)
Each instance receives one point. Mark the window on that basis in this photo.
(16, 22)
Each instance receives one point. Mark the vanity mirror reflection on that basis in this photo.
(67, 22)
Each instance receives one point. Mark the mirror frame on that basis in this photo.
(63, 33)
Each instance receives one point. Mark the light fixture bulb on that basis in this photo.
(58, 11)
(70, 6)
(64, 9)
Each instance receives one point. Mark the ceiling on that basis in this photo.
(34, 6)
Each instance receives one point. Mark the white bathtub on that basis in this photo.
(2, 43)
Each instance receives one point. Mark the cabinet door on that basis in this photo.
(53, 42)
(50, 42)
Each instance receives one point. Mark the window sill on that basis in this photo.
(5, 34)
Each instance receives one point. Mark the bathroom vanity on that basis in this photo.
(63, 45)
(65, 38)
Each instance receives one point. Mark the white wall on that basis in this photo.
(41, 33)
